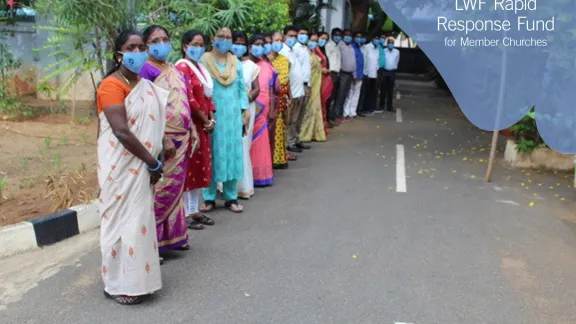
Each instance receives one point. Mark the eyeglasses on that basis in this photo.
(224, 37)
(160, 40)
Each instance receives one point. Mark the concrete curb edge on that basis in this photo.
(48, 229)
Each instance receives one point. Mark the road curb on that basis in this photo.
(48, 229)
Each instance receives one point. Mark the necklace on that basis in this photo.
(160, 65)
(125, 79)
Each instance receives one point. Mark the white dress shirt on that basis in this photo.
(304, 57)
(334, 56)
(371, 60)
(392, 59)
(296, 75)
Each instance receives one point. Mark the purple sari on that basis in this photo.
(171, 224)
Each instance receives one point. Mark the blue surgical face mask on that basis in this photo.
(239, 50)
(348, 39)
(267, 48)
(337, 39)
(359, 40)
(312, 45)
(321, 42)
(257, 50)
(290, 42)
(134, 61)
(376, 42)
(277, 47)
(390, 46)
(195, 52)
(303, 38)
(222, 46)
(160, 51)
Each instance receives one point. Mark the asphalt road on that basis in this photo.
(339, 239)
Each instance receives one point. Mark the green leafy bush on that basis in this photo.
(526, 133)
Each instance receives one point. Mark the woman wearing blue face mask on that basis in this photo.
(199, 163)
(239, 47)
(250, 73)
(267, 45)
(327, 82)
(171, 225)
(130, 133)
(312, 128)
(280, 156)
(260, 152)
(230, 99)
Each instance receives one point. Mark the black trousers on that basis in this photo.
(388, 79)
(331, 115)
(368, 95)
(342, 90)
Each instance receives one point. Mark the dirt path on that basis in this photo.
(33, 154)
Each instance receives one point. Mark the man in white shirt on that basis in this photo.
(303, 55)
(391, 60)
(297, 90)
(371, 52)
(334, 58)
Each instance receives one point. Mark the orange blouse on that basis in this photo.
(111, 92)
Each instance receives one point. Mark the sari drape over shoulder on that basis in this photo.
(312, 128)
(246, 185)
(128, 242)
(171, 225)
(278, 134)
(260, 152)
(327, 87)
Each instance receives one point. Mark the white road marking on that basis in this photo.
(509, 202)
(400, 169)
(398, 115)
(401, 323)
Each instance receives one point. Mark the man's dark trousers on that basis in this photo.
(331, 102)
(368, 95)
(387, 89)
(343, 88)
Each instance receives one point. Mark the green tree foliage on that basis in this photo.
(83, 32)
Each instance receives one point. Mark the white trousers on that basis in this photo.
(351, 104)
(191, 201)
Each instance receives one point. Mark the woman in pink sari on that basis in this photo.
(171, 225)
(260, 152)
(327, 84)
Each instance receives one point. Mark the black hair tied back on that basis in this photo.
(121, 39)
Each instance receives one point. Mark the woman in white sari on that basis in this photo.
(132, 118)
(251, 71)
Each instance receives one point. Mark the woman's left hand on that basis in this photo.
(169, 149)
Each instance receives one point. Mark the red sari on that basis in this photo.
(199, 172)
(327, 86)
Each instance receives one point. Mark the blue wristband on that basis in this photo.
(156, 168)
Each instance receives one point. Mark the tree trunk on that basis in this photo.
(376, 27)
(360, 9)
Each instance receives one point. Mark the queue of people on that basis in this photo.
(173, 138)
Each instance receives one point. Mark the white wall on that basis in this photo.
(337, 17)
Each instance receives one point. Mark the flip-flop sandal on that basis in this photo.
(204, 220)
(194, 225)
(125, 300)
(211, 204)
(231, 203)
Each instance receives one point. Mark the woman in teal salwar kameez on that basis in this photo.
(230, 99)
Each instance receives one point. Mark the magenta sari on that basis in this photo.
(171, 224)
(260, 152)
